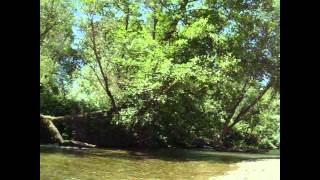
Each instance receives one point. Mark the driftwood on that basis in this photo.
(55, 135)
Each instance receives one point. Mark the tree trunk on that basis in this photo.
(245, 110)
(127, 17)
(98, 60)
(55, 135)
(173, 25)
(154, 28)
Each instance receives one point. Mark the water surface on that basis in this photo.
(92, 164)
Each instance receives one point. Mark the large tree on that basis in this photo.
(190, 68)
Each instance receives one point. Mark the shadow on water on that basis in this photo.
(172, 155)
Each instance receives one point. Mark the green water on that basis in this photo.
(86, 164)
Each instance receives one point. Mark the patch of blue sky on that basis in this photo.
(144, 11)
(116, 12)
(265, 80)
(195, 5)
(228, 30)
(78, 35)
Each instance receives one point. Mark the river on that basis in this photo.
(101, 164)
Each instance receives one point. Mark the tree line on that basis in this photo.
(192, 69)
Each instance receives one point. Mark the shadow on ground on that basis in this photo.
(174, 155)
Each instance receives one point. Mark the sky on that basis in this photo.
(77, 33)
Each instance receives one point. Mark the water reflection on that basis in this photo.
(57, 163)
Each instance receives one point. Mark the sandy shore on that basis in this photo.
(268, 169)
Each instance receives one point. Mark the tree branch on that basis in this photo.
(237, 103)
(98, 60)
(247, 109)
(173, 26)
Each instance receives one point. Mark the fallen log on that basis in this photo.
(77, 144)
(55, 135)
(52, 118)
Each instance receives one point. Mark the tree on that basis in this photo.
(190, 69)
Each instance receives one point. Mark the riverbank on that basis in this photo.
(267, 169)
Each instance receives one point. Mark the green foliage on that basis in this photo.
(188, 70)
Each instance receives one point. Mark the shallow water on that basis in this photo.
(86, 164)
